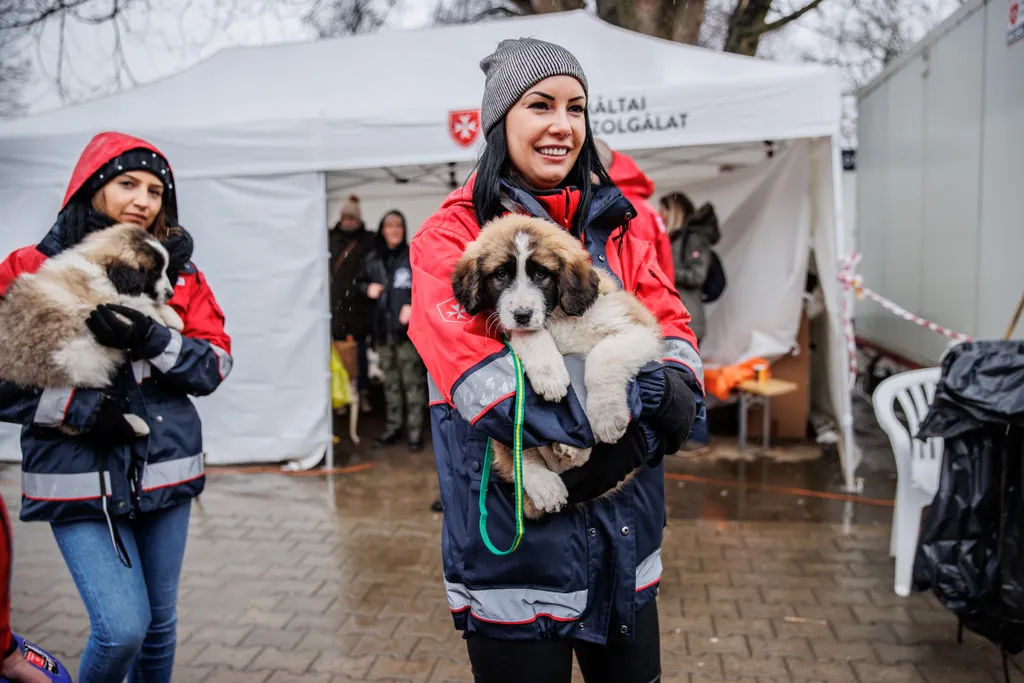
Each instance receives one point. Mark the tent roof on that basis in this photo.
(384, 99)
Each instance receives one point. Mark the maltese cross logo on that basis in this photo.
(464, 126)
(452, 312)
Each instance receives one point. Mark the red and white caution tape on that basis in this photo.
(851, 281)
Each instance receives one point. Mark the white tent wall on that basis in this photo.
(261, 242)
(939, 185)
(260, 177)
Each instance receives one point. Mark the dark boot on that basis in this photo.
(436, 506)
(390, 437)
(415, 440)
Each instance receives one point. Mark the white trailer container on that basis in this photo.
(940, 183)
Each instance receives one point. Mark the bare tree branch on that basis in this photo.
(779, 23)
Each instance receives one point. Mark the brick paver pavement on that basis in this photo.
(319, 580)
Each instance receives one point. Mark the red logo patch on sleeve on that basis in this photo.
(452, 312)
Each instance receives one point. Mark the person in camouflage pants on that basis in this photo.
(405, 378)
(387, 279)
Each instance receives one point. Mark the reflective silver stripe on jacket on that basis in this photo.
(434, 394)
(648, 572)
(515, 605)
(484, 386)
(53, 404)
(168, 358)
(80, 486)
(160, 475)
(224, 361)
(142, 369)
(681, 352)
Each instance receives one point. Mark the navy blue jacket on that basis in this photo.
(61, 474)
(578, 573)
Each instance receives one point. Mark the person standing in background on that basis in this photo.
(387, 280)
(693, 233)
(638, 188)
(351, 311)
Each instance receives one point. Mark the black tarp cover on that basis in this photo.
(969, 552)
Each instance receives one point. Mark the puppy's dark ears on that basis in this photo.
(467, 284)
(577, 286)
(127, 280)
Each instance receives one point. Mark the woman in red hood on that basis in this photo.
(119, 504)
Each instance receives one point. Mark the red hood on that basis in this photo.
(561, 205)
(99, 151)
(629, 178)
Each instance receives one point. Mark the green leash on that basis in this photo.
(517, 470)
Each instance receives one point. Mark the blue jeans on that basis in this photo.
(133, 612)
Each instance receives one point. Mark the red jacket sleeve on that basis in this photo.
(449, 340)
(655, 290)
(6, 561)
(24, 260)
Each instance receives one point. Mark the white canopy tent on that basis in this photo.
(264, 139)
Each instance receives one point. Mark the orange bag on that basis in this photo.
(720, 382)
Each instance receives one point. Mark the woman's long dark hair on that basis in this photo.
(495, 165)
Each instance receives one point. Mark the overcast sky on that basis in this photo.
(175, 34)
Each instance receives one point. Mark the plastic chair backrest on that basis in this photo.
(915, 391)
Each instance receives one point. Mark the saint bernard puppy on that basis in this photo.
(550, 300)
(44, 341)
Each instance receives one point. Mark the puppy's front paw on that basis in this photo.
(551, 381)
(570, 456)
(545, 489)
(171, 319)
(137, 424)
(609, 416)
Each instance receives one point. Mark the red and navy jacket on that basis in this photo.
(590, 568)
(61, 474)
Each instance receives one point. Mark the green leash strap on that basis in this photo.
(517, 469)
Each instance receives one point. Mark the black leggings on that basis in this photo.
(550, 661)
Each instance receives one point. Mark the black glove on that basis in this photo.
(110, 330)
(609, 464)
(108, 426)
(674, 417)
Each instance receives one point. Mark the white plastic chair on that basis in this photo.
(917, 463)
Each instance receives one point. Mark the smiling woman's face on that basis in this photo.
(132, 197)
(546, 129)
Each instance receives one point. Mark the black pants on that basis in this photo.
(550, 661)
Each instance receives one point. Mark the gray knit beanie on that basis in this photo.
(517, 65)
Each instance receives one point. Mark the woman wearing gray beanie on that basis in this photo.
(583, 580)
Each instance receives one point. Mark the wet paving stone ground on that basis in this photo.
(770, 576)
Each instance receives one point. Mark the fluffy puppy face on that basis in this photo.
(524, 268)
(134, 260)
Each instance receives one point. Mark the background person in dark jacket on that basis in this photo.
(387, 279)
(351, 311)
(693, 233)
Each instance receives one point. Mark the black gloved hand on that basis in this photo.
(115, 332)
(108, 426)
(674, 417)
(609, 464)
